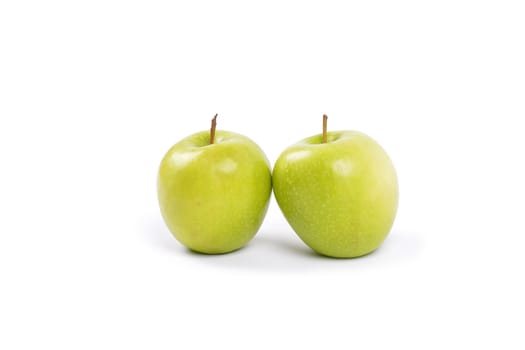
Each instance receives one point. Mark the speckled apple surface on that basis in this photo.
(340, 197)
(214, 197)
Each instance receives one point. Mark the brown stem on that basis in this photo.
(212, 130)
(325, 124)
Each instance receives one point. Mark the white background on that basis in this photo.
(93, 93)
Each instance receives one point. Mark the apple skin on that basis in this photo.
(214, 197)
(340, 197)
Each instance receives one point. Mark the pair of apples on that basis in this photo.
(337, 190)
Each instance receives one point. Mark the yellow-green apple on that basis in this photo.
(339, 192)
(213, 190)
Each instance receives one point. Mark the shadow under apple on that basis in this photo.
(283, 251)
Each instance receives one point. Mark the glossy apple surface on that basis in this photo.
(213, 197)
(340, 197)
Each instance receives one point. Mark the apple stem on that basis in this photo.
(325, 125)
(212, 130)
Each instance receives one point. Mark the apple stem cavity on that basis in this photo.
(212, 130)
(325, 125)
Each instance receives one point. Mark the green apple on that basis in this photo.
(339, 192)
(213, 190)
